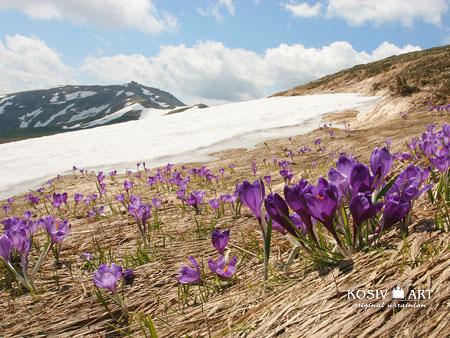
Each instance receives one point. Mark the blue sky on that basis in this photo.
(211, 51)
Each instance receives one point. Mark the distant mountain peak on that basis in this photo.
(79, 106)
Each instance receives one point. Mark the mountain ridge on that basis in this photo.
(72, 107)
(406, 81)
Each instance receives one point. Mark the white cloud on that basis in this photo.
(28, 63)
(357, 12)
(215, 11)
(206, 72)
(138, 14)
(303, 10)
(210, 72)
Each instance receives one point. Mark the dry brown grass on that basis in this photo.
(305, 303)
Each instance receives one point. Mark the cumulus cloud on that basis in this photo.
(357, 12)
(215, 11)
(206, 72)
(138, 14)
(28, 63)
(211, 73)
(303, 9)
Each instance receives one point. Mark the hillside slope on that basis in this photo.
(407, 81)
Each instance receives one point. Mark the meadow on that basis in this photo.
(260, 243)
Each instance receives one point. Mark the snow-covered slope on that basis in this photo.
(80, 106)
(158, 138)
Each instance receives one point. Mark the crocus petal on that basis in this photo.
(252, 195)
(360, 178)
(5, 247)
(220, 240)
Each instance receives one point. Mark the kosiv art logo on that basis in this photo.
(398, 294)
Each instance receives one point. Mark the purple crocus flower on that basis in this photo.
(6, 209)
(20, 241)
(87, 255)
(156, 202)
(13, 223)
(190, 275)
(380, 164)
(140, 211)
(220, 239)
(107, 277)
(322, 203)
(181, 193)
(222, 171)
(441, 163)
(222, 268)
(6, 247)
(100, 177)
(214, 203)
(278, 210)
(225, 198)
(10, 200)
(408, 183)
(295, 198)
(195, 199)
(128, 275)
(395, 209)
(33, 199)
(403, 156)
(252, 195)
(287, 175)
(77, 198)
(57, 203)
(120, 198)
(128, 185)
(340, 176)
(362, 208)
(96, 212)
(275, 225)
(27, 214)
(298, 223)
(360, 178)
(56, 228)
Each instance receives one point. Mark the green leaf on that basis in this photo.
(386, 188)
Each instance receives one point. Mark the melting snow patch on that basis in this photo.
(115, 115)
(120, 92)
(4, 102)
(129, 94)
(46, 123)
(146, 92)
(177, 138)
(29, 117)
(88, 112)
(54, 98)
(79, 95)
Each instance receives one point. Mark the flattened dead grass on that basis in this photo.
(305, 303)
